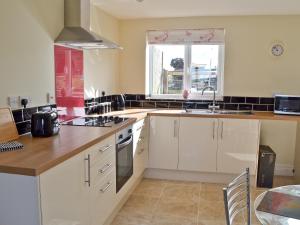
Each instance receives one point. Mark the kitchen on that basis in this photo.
(252, 75)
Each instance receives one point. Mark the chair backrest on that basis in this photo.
(237, 198)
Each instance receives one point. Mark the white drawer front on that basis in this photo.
(101, 150)
(101, 168)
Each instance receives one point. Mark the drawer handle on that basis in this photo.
(106, 187)
(139, 128)
(141, 151)
(105, 148)
(88, 159)
(105, 168)
(141, 139)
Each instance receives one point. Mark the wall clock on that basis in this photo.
(277, 49)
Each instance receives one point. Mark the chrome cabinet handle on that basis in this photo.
(222, 124)
(88, 159)
(106, 187)
(175, 128)
(105, 148)
(214, 130)
(140, 128)
(141, 151)
(105, 168)
(141, 139)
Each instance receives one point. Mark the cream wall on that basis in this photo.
(249, 68)
(281, 137)
(101, 67)
(28, 28)
(297, 156)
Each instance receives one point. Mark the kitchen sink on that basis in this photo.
(218, 112)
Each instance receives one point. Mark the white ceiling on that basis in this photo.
(129, 9)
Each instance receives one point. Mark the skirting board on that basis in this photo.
(191, 176)
(284, 170)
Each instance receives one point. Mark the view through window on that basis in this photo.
(174, 68)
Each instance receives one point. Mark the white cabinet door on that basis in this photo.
(198, 144)
(140, 147)
(163, 142)
(64, 193)
(237, 145)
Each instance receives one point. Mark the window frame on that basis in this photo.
(208, 95)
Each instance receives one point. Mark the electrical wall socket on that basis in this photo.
(50, 98)
(13, 102)
(25, 97)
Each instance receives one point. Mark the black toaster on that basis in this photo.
(44, 124)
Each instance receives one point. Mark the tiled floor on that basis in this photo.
(162, 202)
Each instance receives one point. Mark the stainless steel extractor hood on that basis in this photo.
(76, 32)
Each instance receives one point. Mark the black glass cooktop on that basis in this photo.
(100, 121)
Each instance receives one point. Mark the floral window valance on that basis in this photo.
(186, 36)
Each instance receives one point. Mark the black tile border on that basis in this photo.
(229, 102)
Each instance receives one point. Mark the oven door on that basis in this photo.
(124, 159)
(287, 105)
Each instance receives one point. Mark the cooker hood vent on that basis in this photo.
(77, 33)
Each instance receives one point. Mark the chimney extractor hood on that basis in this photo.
(76, 32)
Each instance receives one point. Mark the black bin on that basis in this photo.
(266, 166)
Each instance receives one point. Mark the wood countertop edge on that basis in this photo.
(256, 115)
(27, 171)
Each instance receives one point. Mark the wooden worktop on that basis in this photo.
(255, 115)
(140, 113)
(41, 154)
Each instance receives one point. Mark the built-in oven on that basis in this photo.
(287, 104)
(124, 156)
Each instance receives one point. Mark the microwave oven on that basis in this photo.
(287, 104)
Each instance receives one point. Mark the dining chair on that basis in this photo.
(237, 198)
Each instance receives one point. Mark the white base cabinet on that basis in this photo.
(238, 145)
(198, 143)
(163, 142)
(64, 194)
(140, 147)
(81, 190)
(203, 144)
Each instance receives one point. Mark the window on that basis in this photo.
(177, 63)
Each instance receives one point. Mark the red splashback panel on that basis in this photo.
(69, 82)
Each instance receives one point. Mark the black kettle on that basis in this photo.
(119, 103)
(44, 124)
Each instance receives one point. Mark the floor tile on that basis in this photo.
(126, 220)
(164, 202)
(181, 192)
(209, 210)
(142, 203)
(177, 208)
(211, 222)
(171, 220)
(212, 192)
(149, 187)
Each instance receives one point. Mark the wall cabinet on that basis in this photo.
(238, 145)
(198, 143)
(163, 142)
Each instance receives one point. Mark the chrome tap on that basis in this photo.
(213, 107)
